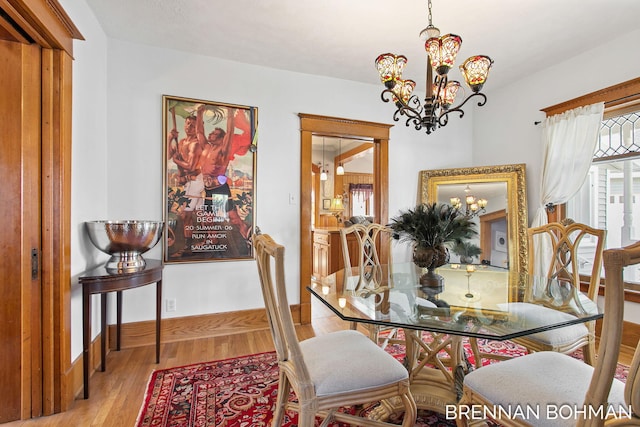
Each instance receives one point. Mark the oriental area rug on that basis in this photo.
(240, 392)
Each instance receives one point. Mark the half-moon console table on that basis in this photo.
(100, 281)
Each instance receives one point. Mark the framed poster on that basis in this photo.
(209, 180)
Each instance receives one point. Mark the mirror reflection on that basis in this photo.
(486, 204)
(495, 198)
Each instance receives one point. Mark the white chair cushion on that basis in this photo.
(533, 315)
(544, 381)
(348, 361)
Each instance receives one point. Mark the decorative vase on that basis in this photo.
(464, 259)
(431, 258)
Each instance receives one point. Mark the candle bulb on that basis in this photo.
(342, 302)
(325, 290)
(471, 268)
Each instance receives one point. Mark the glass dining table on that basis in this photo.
(470, 301)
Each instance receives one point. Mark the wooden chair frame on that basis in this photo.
(564, 265)
(608, 352)
(374, 243)
(562, 241)
(294, 373)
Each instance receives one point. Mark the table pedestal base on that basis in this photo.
(431, 389)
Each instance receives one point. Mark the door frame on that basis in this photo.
(44, 24)
(310, 125)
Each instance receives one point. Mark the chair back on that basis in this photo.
(373, 244)
(270, 261)
(632, 386)
(557, 251)
(611, 336)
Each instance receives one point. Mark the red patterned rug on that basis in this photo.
(240, 392)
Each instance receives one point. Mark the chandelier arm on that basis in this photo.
(443, 118)
(480, 102)
(414, 105)
(413, 115)
(386, 95)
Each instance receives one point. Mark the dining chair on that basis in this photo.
(363, 246)
(559, 252)
(556, 383)
(326, 372)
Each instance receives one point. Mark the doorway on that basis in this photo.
(311, 125)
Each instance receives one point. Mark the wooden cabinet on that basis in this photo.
(327, 251)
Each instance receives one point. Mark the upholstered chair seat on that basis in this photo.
(565, 384)
(346, 362)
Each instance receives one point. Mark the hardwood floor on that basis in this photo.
(116, 395)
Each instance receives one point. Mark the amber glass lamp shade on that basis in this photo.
(475, 71)
(336, 204)
(403, 90)
(449, 93)
(390, 68)
(443, 51)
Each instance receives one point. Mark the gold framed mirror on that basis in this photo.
(498, 205)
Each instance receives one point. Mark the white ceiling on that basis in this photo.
(341, 38)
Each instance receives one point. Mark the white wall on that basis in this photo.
(89, 180)
(117, 135)
(118, 172)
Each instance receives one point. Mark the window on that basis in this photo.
(361, 196)
(610, 196)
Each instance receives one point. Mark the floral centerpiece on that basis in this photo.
(433, 229)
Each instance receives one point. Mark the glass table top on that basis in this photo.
(478, 301)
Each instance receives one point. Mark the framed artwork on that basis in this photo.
(326, 204)
(500, 242)
(209, 180)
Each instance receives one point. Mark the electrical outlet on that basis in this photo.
(170, 304)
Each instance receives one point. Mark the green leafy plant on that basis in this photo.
(466, 248)
(433, 225)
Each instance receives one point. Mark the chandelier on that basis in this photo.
(473, 206)
(440, 92)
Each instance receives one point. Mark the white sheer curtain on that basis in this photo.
(569, 142)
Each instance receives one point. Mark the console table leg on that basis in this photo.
(86, 339)
(103, 332)
(158, 317)
(118, 318)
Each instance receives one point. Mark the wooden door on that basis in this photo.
(36, 44)
(20, 321)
